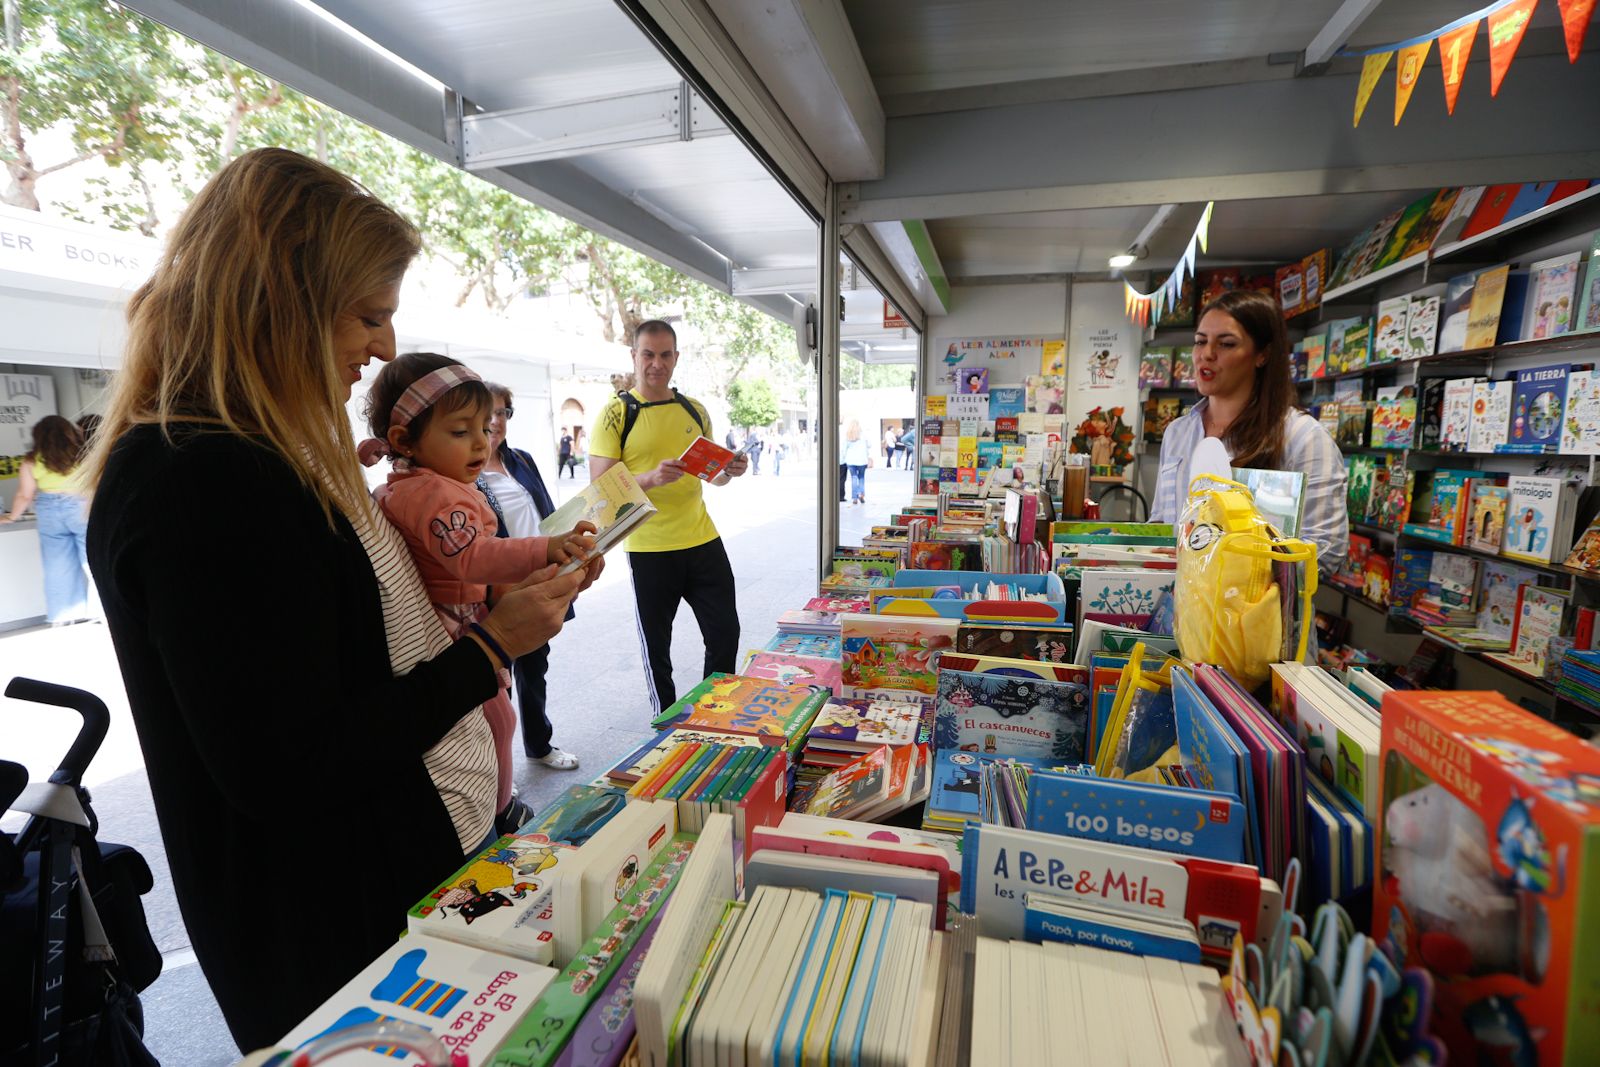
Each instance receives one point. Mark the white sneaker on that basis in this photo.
(558, 760)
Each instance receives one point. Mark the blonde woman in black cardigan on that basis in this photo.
(305, 721)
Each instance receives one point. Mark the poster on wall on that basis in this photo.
(1109, 359)
(1003, 361)
(24, 400)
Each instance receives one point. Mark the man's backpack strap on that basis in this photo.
(632, 405)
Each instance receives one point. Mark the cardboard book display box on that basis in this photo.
(1490, 834)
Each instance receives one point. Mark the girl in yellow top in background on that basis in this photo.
(47, 482)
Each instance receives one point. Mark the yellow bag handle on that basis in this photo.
(1134, 677)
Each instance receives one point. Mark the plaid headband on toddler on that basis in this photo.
(419, 396)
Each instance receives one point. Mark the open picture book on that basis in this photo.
(613, 502)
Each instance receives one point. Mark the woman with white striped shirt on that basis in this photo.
(1241, 362)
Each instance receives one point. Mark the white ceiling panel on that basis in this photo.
(918, 45)
(511, 53)
(1245, 231)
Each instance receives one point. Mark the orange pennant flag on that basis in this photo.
(1406, 73)
(1575, 21)
(1506, 28)
(1371, 71)
(1455, 48)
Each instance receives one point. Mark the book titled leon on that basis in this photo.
(613, 502)
(778, 714)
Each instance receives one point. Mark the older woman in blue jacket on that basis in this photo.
(516, 491)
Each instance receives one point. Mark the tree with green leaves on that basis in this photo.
(752, 402)
(110, 78)
(167, 114)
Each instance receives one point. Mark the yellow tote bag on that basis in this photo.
(1228, 606)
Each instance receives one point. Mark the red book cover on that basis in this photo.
(763, 804)
(1489, 828)
(705, 459)
(1566, 189)
(1491, 210)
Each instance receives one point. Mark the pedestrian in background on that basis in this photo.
(564, 454)
(858, 457)
(47, 481)
(755, 449)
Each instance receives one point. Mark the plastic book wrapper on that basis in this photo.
(1229, 607)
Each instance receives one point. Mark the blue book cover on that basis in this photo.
(989, 453)
(825, 646)
(580, 812)
(1212, 751)
(1530, 198)
(1537, 401)
(1006, 400)
(1191, 822)
(958, 781)
(999, 715)
(1108, 934)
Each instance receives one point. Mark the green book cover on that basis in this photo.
(541, 1035)
(757, 707)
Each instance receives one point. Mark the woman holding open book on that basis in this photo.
(302, 712)
(1247, 400)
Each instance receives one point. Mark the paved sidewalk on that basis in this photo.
(597, 701)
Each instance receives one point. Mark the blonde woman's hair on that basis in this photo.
(234, 330)
(853, 431)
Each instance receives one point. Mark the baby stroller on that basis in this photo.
(77, 950)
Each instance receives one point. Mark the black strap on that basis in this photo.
(632, 405)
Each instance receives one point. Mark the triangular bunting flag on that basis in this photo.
(1371, 70)
(1205, 224)
(1575, 21)
(1407, 70)
(1506, 27)
(1455, 48)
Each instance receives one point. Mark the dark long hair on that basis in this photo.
(1256, 437)
(57, 443)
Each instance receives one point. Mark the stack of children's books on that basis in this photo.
(992, 708)
(845, 729)
(1031, 1001)
(875, 785)
(777, 714)
(806, 621)
(793, 668)
(788, 975)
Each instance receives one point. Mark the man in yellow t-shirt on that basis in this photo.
(677, 555)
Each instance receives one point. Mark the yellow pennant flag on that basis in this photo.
(1372, 68)
(1407, 71)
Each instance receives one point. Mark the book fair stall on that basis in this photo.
(1028, 777)
(1018, 778)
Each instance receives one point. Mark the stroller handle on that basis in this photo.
(96, 721)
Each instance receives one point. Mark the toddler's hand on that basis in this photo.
(576, 543)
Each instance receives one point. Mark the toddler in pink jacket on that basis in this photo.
(429, 414)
